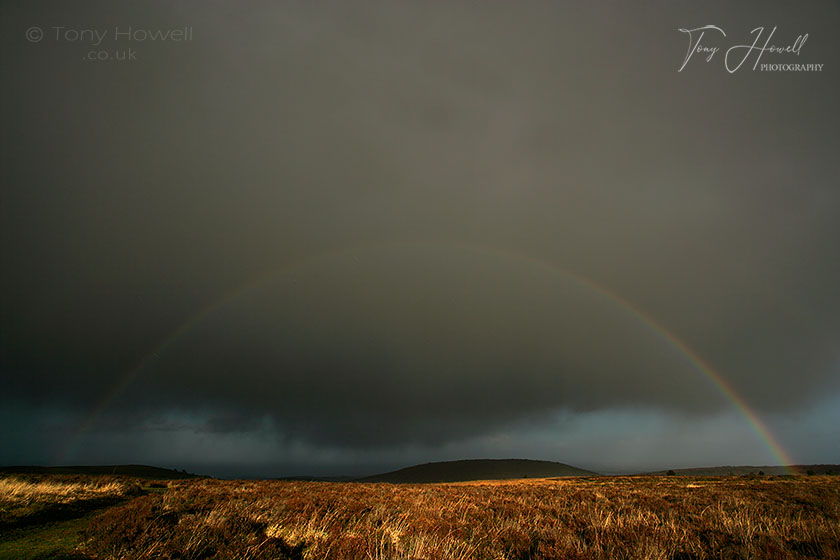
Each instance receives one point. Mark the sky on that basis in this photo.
(346, 237)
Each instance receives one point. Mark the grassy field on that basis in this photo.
(678, 518)
(44, 516)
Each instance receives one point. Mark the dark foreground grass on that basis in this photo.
(59, 540)
(674, 518)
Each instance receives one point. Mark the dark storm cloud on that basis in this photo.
(136, 194)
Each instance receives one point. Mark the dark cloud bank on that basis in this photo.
(338, 211)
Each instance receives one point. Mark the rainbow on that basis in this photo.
(695, 360)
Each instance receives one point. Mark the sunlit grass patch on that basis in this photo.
(15, 491)
(33, 500)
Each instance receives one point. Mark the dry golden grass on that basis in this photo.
(27, 500)
(649, 518)
(14, 491)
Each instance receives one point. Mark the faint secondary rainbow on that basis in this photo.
(702, 366)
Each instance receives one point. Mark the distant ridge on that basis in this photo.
(747, 470)
(138, 471)
(478, 469)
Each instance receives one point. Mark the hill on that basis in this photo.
(138, 471)
(478, 469)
